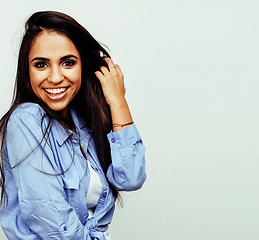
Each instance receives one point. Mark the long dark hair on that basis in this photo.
(89, 102)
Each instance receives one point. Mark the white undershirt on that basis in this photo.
(94, 193)
(94, 190)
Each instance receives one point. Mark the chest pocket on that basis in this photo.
(71, 188)
(73, 192)
(72, 182)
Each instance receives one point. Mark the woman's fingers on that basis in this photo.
(100, 76)
(112, 81)
(110, 63)
(113, 71)
(112, 67)
(104, 71)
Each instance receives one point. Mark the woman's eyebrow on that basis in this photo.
(46, 59)
(68, 56)
(40, 58)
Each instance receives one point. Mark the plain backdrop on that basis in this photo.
(191, 74)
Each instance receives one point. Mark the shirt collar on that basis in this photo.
(61, 134)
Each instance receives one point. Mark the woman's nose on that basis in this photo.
(56, 76)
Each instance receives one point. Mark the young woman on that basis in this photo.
(69, 143)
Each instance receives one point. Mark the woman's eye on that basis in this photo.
(40, 65)
(69, 63)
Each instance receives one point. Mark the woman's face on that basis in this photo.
(55, 69)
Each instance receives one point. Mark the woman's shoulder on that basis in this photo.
(28, 108)
(26, 114)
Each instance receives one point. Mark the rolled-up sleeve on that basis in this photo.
(42, 199)
(127, 171)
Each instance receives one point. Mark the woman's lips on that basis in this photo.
(56, 93)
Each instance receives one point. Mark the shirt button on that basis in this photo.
(113, 140)
(65, 228)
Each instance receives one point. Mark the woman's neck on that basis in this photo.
(67, 120)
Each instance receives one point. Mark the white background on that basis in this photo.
(191, 72)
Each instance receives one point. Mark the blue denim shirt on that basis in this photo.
(47, 178)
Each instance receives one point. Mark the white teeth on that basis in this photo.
(55, 90)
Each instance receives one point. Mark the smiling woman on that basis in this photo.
(69, 144)
(55, 69)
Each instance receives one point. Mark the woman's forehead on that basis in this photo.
(51, 44)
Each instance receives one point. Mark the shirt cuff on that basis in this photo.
(124, 137)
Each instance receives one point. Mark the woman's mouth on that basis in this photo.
(56, 93)
(55, 90)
